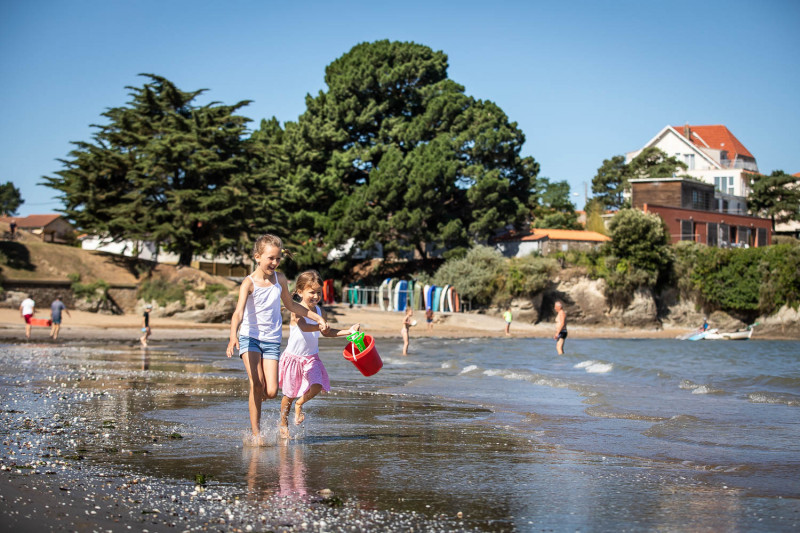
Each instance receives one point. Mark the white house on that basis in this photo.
(712, 154)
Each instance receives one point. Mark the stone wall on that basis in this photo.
(122, 297)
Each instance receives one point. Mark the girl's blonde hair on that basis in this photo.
(269, 239)
(309, 278)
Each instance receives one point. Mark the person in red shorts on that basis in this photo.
(26, 310)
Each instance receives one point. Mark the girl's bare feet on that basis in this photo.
(299, 416)
(283, 430)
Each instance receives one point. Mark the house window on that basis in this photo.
(724, 235)
(730, 185)
(712, 234)
(687, 230)
(745, 236)
(689, 160)
(762, 237)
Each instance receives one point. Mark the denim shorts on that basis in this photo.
(268, 350)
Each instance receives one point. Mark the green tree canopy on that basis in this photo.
(395, 153)
(612, 178)
(10, 199)
(553, 207)
(776, 196)
(163, 170)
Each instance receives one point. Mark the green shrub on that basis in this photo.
(161, 291)
(96, 290)
(475, 276)
(529, 275)
(214, 291)
(744, 281)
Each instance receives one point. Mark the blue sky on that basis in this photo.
(585, 80)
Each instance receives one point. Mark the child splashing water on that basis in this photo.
(258, 312)
(302, 374)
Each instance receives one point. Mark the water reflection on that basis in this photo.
(276, 470)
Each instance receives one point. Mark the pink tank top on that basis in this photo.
(262, 313)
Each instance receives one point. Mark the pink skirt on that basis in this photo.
(298, 372)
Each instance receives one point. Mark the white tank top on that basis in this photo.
(304, 342)
(262, 313)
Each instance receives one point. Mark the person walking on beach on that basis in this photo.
(301, 373)
(429, 318)
(508, 317)
(55, 316)
(26, 310)
(561, 327)
(404, 332)
(256, 325)
(146, 331)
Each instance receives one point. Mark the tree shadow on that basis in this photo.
(17, 256)
(137, 267)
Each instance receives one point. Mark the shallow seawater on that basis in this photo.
(614, 435)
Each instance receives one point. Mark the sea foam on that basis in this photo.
(595, 367)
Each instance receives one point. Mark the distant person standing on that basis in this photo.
(146, 325)
(12, 228)
(507, 316)
(407, 323)
(561, 327)
(26, 310)
(55, 316)
(429, 318)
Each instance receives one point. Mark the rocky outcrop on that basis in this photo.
(584, 300)
(642, 312)
(196, 309)
(784, 323)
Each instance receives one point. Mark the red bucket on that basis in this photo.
(367, 362)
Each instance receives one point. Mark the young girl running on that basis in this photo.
(302, 374)
(258, 312)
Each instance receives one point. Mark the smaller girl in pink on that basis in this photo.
(302, 375)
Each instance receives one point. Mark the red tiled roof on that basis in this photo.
(31, 221)
(555, 235)
(718, 137)
(571, 235)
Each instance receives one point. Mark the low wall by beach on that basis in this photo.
(43, 292)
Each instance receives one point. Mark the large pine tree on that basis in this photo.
(163, 170)
(395, 153)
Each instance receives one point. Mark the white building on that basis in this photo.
(712, 154)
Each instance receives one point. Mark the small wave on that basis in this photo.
(468, 369)
(536, 379)
(595, 367)
(688, 385)
(766, 397)
(449, 365)
(707, 389)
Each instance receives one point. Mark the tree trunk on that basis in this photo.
(186, 258)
